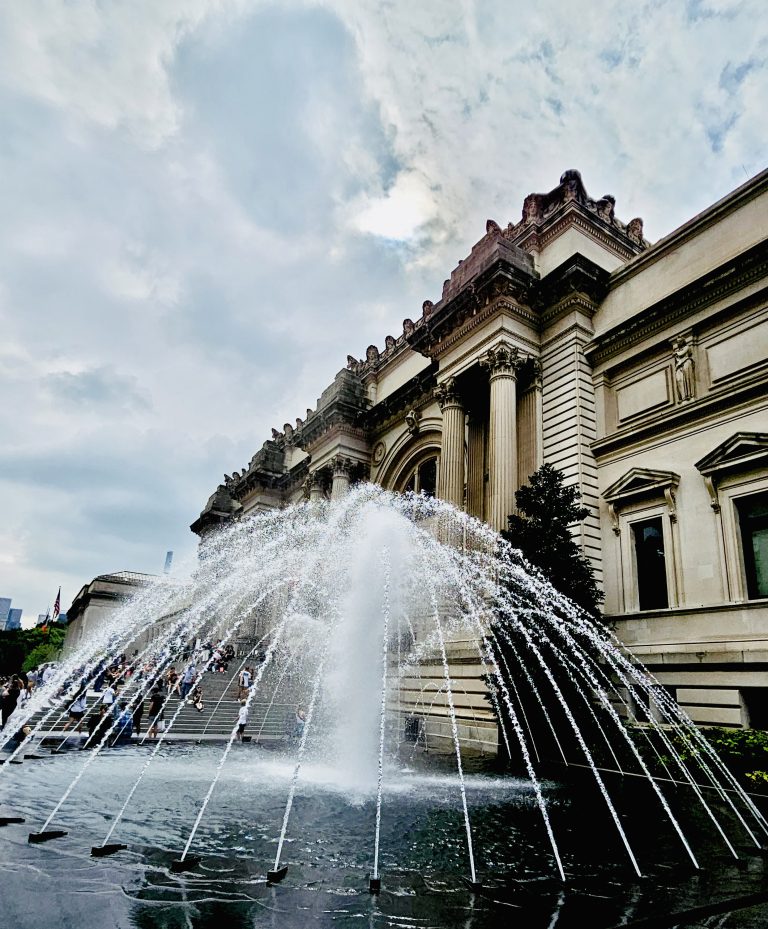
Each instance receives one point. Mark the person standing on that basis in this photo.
(188, 680)
(108, 696)
(10, 697)
(244, 683)
(138, 713)
(242, 720)
(77, 710)
(156, 712)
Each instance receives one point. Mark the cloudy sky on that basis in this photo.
(207, 204)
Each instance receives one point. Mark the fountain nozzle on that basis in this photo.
(474, 886)
(374, 885)
(37, 837)
(100, 851)
(10, 820)
(274, 877)
(185, 864)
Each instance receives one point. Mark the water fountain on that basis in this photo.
(345, 604)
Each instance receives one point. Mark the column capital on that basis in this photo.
(501, 360)
(446, 393)
(341, 466)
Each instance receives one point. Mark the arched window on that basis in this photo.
(422, 478)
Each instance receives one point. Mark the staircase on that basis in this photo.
(266, 723)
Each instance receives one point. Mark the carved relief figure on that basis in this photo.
(371, 353)
(412, 418)
(408, 327)
(684, 370)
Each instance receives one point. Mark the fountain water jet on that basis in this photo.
(326, 585)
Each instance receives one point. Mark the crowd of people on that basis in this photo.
(121, 689)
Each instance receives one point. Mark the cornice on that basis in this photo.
(539, 238)
(737, 274)
(660, 425)
(731, 202)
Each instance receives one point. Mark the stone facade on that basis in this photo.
(99, 598)
(639, 370)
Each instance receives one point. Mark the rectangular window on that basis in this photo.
(651, 564)
(753, 520)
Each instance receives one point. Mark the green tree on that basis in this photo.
(547, 508)
(18, 645)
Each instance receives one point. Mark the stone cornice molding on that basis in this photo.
(576, 215)
(751, 189)
(740, 272)
(334, 431)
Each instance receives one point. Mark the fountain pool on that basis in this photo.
(356, 610)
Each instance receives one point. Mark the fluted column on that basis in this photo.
(501, 362)
(342, 470)
(530, 448)
(475, 464)
(452, 449)
(316, 489)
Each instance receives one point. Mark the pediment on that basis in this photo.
(639, 481)
(742, 450)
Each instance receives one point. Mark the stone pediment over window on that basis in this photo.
(638, 483)
(742, 452)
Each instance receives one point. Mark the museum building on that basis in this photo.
(640, 370)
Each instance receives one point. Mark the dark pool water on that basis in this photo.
(329, 849)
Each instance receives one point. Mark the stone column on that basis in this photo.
(316, 490)
(475, 464)
(342, 469)
(529, 421)
(500, 362)
(452, 450)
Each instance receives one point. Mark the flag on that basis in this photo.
(57, 605)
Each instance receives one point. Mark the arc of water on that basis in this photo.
(281, 678)
(89, 760)
(585, 669)
(383, 711)
(455, 734)
(220, 767)
(158, 744)
(184, 624)
(489, 661)
(307, 573)
(675, 717)
(300, 756)
(687, 775)
(580, 739)
(683, 724)
(65, 702)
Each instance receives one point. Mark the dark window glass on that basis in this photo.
(753, 519)
(411, 484)
(756, 704)
(651, 564)
(428, 477)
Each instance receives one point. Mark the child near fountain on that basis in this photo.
(242, 719)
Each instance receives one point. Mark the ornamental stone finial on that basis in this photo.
(501, 360)
(446, 393)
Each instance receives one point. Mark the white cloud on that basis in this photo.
(208, 203)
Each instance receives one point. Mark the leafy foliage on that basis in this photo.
(18, 646)
(744, 752)
(547, 509)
